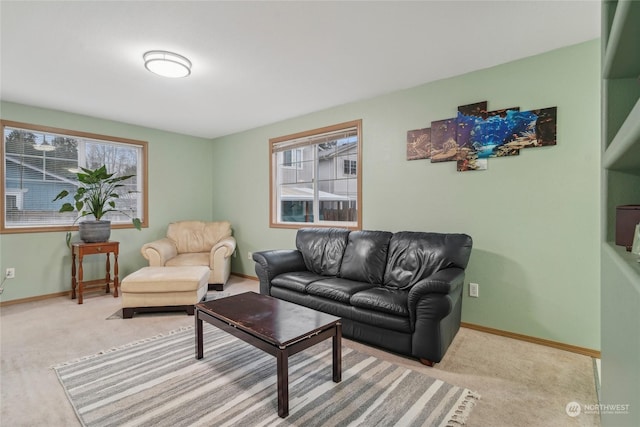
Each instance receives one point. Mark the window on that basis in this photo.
(316, 179)
(39, 162)
(292, 158)
(349, 167)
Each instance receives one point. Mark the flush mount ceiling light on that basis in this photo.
(167, 64)
(44, 146)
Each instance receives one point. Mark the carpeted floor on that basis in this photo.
(521, 384)
(158, 382)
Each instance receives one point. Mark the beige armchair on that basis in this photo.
(193, 243)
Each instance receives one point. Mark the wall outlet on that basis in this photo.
(250, 255)
(474, 290)
(10, 273)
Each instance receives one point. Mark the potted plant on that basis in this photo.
(96, 195)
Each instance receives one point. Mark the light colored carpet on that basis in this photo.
(158, 382)
(521, 384)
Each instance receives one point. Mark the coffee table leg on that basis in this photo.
(337, 354)
(199, 347)
(283, 383)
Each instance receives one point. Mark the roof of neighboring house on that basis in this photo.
(301, 193)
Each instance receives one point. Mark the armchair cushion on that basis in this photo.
(197, 236)
(201, 258)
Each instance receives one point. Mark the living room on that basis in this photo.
(535, 218)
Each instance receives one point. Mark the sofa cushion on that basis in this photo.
(414, 256)
(385, 321)
(387, 300)
(296, 281)
(366, 256)
(336, 288)
(322, 249)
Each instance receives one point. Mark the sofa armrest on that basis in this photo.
(269, 264)
(220, 260)
(435, 307)
(159, 252)
(224, 247)
(443, 282)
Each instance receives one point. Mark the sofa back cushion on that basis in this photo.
(322, 249)
(366, 256)
(414, 256)
(197, 236)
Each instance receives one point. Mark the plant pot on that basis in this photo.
(94, 231)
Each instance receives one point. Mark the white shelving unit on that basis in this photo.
(620, 285)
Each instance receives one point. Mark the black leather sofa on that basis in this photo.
(398, 291)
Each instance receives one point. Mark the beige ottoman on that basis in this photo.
(163, 289)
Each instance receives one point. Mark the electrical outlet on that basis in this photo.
(474, 290)
(250, 255)
(10, 273)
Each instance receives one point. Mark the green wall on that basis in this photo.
(179, 175)
(534, 218)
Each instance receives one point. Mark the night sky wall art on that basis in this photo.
(476, 134)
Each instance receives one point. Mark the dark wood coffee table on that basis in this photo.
(277, 327)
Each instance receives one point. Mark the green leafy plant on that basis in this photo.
(96, 195)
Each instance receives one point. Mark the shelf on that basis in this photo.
(627, 262)
(620, 270)
(622, 56)
(623, 153)
(619, 98)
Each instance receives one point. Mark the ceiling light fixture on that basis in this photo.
(167, 64)
(44, 146)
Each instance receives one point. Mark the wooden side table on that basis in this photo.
(79, 250)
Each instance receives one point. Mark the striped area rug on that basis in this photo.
(159, 382)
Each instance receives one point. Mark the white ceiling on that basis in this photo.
(256, 63)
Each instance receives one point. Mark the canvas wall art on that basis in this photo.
(443, 141)
(419, 144)
(476, 134)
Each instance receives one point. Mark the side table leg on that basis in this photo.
(283, 383)
(337, 354)
(199, 346)
(80, 279)
(108, 276)
(115, 275)
(73, 274)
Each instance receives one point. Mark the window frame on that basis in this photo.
(142, 145)
(348, 167)
(310, 134)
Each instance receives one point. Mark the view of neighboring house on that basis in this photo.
(40, 165)
(335, 187)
